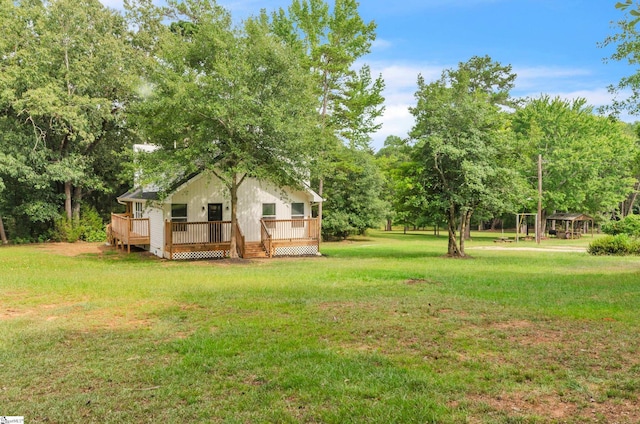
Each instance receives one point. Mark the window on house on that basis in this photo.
(137, 210)
(297, 215)
(179, 214)
(269, 214)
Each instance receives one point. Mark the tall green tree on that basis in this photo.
(627, 48)
(67, 72)
(234, 101)
(587, 159)
(353, 194)
(330, 41)
(629, 206)
(463, 146)
(392, 159)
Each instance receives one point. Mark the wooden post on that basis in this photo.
(539, 216)
(318, 237)
(3, 235)
(168, 235)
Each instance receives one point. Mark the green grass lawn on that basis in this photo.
(382, 329)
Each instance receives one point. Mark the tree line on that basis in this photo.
(278, 97)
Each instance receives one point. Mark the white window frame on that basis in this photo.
(137, 210)
(179, 218)
(269, 217)
(297, 218)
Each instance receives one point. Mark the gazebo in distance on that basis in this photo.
(569, 225)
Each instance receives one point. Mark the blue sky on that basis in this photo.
(552, 46)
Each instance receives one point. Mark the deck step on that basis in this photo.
(254, 250)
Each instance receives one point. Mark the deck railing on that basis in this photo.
(279, 232)
(214, 232)
(127, 230)
(197, 236)
(292, 229)
(265, 238)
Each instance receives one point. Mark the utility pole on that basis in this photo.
(539, 216)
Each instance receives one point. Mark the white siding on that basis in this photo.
(156, 224)
(198, 193)
(202, 190)
(252, 194)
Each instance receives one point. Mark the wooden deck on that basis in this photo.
(197, 240)
(202, 240)
(290, 237)
(125, 230)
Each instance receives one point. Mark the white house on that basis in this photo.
(194, 220)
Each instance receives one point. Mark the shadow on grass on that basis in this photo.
(389, 245)
(382, 253)
(113, 255)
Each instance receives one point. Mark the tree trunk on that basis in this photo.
(494, 223)
(233, 248)
(67, 200)
(453, 249)
(3, 235)
(465, 218)
(627, 205)
(388, 227)
(467, 225)
(77, 201)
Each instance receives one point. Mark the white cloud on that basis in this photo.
(400, 78)
(115, 4)
(546, 76)
(119, 4)
(400, 86)
(595, 97)
(397, 121)
(381, 44)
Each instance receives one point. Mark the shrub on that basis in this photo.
(65, 230)
(92, 227)
(629, 225)
(619, 245)
(89, 228)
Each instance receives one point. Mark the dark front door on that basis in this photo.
(215, 219)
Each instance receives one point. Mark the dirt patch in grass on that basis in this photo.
(527, 333)
(527, 404)
(414, 281)
(12, 313)
(81, 313)
(555, 408)
(81, 248)
(75, 249)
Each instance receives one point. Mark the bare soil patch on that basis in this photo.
(76, 249)
(414, 281)
(556, 409)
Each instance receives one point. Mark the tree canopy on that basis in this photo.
(285, 97)
(67, 72)
(463, 145)
(587, 158)
(234, 101)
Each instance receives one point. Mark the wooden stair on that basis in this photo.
(254, 250)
